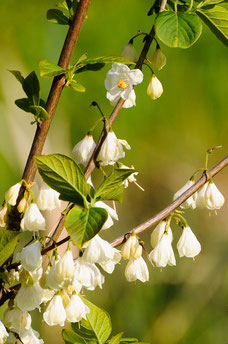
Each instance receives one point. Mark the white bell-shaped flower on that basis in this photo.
(112, 150)
(3, 333)
(17, 320)
(154, 89)
(12, 194)
(88, 275)
(76, 310)
(158, 232)
(3, 213)
(137, 269)
(129, 52)
(191, 201)
(188, 245)
(158, 59)
(131, 248)
(33, 220)
(29, 297)
(83, 150)
(48, 198)
(119, 83)
(30, 256)
(65, 266)
(98, 251)
(163, 253)
(53, 280)
(112, 214)
(213, 197)
(55, 313)
(109, 264)
(30, 336)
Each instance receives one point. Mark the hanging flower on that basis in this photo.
(112, 150)
(163, 254)
(55, 313)
(158, 233)
(76, 310)
(188, 245)
(30, 336)
(129, 52)
(12, 194)
(17, 320)
(83, 150)
(131, 248)
(154, 89)
(158, 59)
(213, 197)
(48, 198)
(86, 274)
(65, 266)
(30, 256)
(191, 201)
(33, 220)
(200, 200)
(137, 269)
(3, 213)
(119, 83)
(29, 297)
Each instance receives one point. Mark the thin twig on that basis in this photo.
(174, 205)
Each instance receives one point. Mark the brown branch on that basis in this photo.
(174, 205)
(14, 217)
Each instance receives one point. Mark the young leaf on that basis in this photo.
(76, 86)
(178, 30)
(99, 321)
(17, 75)
(57, 17)
(71, 337)
(90, 67)
(8, 242)
(39, 112)
(31, 87)
(64, 175)
(83, 224)
(216, 18)
(112, 186)
(49, 69)
(116, 338)
(63, 4)
(24, 104)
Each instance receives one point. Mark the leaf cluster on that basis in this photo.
(33, 103)
(84, 220)
(95, 330)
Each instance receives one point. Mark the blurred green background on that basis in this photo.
(183, 304)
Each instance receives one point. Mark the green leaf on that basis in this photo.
(8, 242)
(31, 87)
(76, 86)
(83, 224)
(39, 112)
(210, 2)
(82, 58)
(63, 4)
(216, 19)
(24, 104)
(57, 17)
(178, 30)
(49, 69)
(116, 338)
(17, 75)
(64, 175)
(112, 186)
(84, 332)
(99, 321)
(71, 337)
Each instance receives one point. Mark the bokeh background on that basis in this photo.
(180, 305)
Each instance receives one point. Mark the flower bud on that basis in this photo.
(158, 59)
(131, 248)
(12, 194)
(188, 245)
(158, 232)
(129, 52)
(22, 205)
(83, 150)
(154, 89)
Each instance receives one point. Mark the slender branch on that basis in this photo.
(174, 205)
(58, 83)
